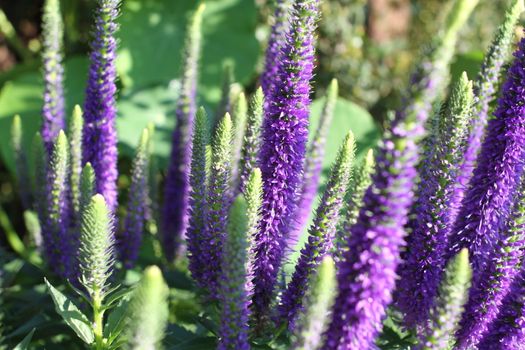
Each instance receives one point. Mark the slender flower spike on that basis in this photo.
(225, 105)
(136, 214)
(148, 312)
(99, 140)
(284, 135)
(359, 183)
(487, 295)
(239, 119)
(275, 46)
(53, 110)
(314, 164)
(218, 201)
(176, 189)
(233, 296)
(250, 148)
(488, 199)
(321, 234)
(87, 186)
(56, 223)
(196, 235)
(367, 273)
(253, 194)
(21, 164)
(313, 320)
(485, 87)
(96, 258)
(432, 222)
(75, 146)
(508, 331)
(446, 312)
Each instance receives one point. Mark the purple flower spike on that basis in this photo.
(421, 271)
(500, 164)
(508, 331)
(53, 113)
(285, 133)
(100, 135)
(485, 87)
(494, 284)
(367, 273)
(275, 45)
(176, 189)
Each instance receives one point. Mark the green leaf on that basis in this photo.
(24, 344)
(115, 323)
(71, 315)
(197, 344)
(152, 35)
(347, 116)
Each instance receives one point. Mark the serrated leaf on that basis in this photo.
(116, 296)
(71, 314)
(24, 344)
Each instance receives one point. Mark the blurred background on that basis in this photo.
(368, 45)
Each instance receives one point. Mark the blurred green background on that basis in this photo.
(369, 45)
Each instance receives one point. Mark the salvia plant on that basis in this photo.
(417, 243)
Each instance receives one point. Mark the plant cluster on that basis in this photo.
(418, 245)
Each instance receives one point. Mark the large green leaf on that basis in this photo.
(72, 315)
(152, 36)
(23, 96)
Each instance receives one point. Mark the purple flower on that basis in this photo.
(485, 87)
(508, 331)
(486, 205)
(53, 113)
(320, 235)
(176, 189)
(495, 281)
(432, 221)
(274, 47)
(314, 165)
(285, 133)
(100, 135)
(129, 244)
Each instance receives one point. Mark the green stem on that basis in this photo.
(98, 319)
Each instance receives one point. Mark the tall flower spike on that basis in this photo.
(253, 194)
(252, 134)
(359, 183)
(87, 186)
(313, 165)
(431, 222)
(313, 320)
(275, 45)
(53, 110)
(367, 273)
(239, 119)
(487, 295)
(489, 196)
(131, 238)
(99, 140)
(196, 235)
(485, 87)
(508, 331)
(75, 145)
(218, 201)
(321, 234)
(233, 296)
(446, 312)
(225, 104)
(284, 135)
(96, 258)
(56, 223)
(21, 164)
(148, 312)
(176, 188)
